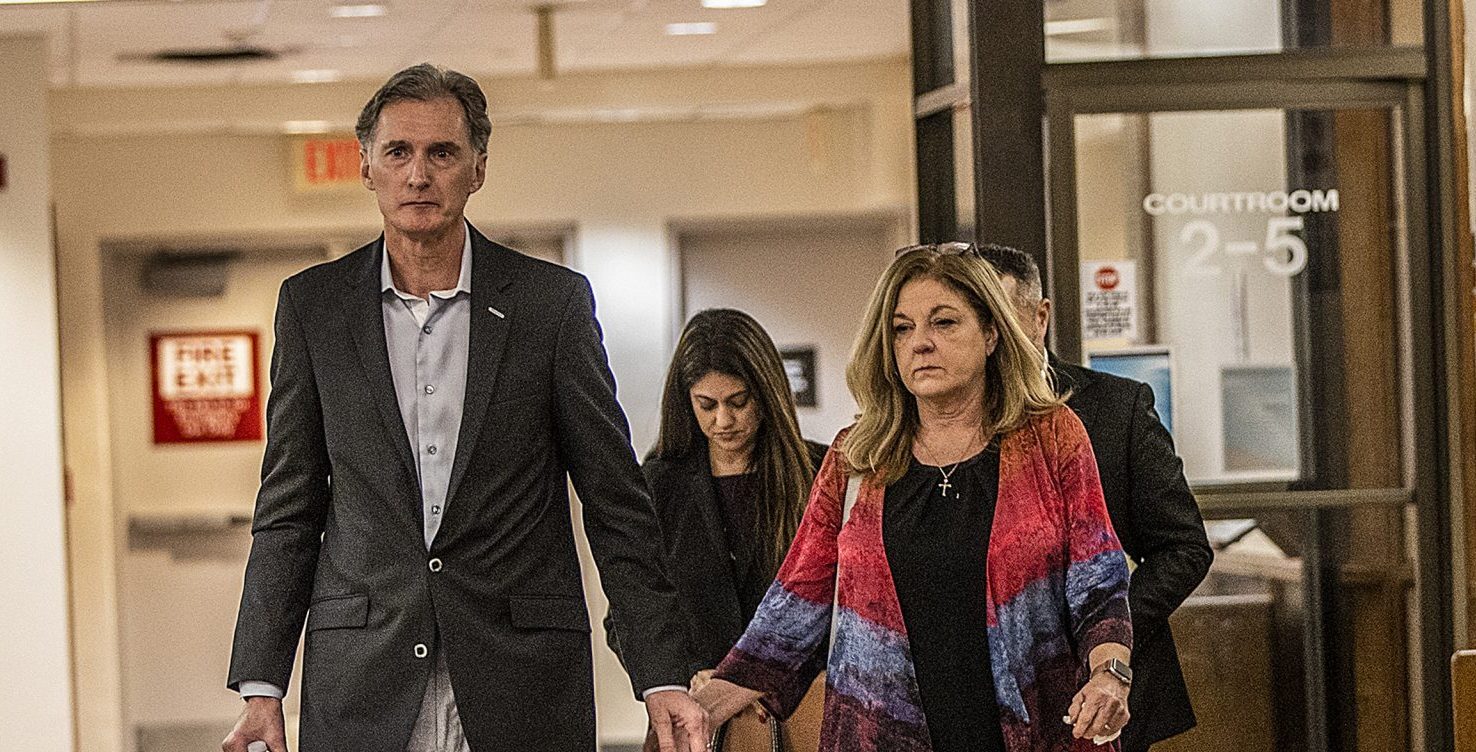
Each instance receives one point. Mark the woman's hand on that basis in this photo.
(699, 679)
(1100, 709)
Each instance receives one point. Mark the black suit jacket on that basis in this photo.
(1158, 522)
(337, 534)
(696, 551)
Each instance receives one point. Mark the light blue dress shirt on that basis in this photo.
(428, 341)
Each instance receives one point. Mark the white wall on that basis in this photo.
(179, 166)
(178, 593)
(35, 663)
(1199, 317)
(806, 283)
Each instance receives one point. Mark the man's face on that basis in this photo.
(422, 166)
(1034, 317)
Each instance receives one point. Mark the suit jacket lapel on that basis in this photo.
(366, 322)
(1068, 375)
(698, 474)
(491, 317)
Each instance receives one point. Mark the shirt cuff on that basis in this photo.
(644, 695)
(261, 689)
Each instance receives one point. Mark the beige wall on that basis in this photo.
(805, 282)
(188, 165)
(178, 593)
(35, 665)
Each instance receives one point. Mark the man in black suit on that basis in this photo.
(1152, 510)
(430, 392)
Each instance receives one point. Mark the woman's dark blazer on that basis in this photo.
(696, 553)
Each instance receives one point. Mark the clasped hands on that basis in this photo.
(687, 735)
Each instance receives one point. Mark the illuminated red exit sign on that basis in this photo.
(325, 162)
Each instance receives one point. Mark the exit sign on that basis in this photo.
(324, 163)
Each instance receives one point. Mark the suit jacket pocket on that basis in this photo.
(339, 612)
(548, 612)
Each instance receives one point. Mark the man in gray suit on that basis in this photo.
(430, 393)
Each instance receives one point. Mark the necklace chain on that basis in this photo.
(946, 483)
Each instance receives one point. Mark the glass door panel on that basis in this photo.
(1251, 264)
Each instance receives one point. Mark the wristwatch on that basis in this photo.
(1119, 671)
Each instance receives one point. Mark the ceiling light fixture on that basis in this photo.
(316, 76)
(305, 127)
(1078, 26)
(691, 29)
(358, 10)
(725, 4)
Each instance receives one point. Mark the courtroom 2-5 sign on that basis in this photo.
(206, 387)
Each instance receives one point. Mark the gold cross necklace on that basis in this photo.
(947, 473)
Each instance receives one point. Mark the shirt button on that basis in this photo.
(435, 565)
(421, 650)
(430, 449)
(426, 329)
(435, 510)
(430, 389)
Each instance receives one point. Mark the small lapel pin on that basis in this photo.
(495, 312)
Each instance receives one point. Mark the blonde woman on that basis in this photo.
(979, 591)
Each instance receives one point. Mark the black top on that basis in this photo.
(736, 503)
(699, 556)
(937, 548)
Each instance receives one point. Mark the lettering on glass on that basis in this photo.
(1281, 251)
(206, 387)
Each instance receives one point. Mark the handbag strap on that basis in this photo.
(853, 489)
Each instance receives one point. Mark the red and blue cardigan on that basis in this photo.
(1057, 587)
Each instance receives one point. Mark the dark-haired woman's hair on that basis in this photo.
(729, 342)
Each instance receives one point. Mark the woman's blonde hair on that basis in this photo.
(1016, 386)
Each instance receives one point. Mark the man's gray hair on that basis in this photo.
(423, 83)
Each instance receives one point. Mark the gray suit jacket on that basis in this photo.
(337, 535)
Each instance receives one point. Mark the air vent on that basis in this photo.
(199, 274)
(206, 55)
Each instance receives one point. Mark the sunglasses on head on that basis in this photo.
(952, 248)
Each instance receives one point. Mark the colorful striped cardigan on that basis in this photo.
(1057, 583)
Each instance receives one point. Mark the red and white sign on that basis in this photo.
(1109, 306)
(325, 163)
(206, 387)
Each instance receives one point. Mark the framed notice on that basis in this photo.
(799, 366)
(1109, 300)
(206, 387)
(1261, 428)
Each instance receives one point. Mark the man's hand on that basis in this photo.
(260, 721)
(678, 722)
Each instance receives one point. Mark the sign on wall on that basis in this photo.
(799, 366)
(206, 387)
(1109, 300)
(324, 163)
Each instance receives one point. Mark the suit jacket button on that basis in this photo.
(435, 565)
(421, 650)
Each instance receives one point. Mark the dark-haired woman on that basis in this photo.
(730, 476)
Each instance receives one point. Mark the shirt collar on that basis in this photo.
(463, 282)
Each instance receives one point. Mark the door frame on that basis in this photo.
(1393, 79)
